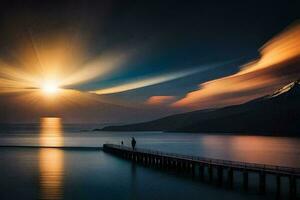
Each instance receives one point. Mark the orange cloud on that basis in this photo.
(160, 100)
(279, 64)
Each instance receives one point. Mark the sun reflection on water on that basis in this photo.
(51, 161)
(51, 132)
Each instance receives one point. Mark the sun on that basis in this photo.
(50, 88)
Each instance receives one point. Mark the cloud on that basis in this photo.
(160, 100)
(154, 80)
(279, 64)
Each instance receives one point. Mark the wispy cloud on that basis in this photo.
(278, 64)
(160, 100)
(154, 80)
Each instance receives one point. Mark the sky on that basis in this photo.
(129, 61)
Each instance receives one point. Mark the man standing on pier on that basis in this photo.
(133, 142)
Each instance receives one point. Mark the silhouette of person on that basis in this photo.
(133, 143)
(122, 142)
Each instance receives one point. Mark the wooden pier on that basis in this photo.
(210, 169)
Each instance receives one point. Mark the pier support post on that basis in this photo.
(187, 166)
(181, 167)
(262, 182)
(201, 172)
(220, 176)
(144, 159)
(174, 165)
(293, 187)
(278, 186)
(131, 156)
(193, 169)
(166, 163)
(153, 161)
(150, 161)
(135, 157)
(230, 178)
(210, 173)
(160, 162)
(139, 158)
(245, 180)
(147, 160)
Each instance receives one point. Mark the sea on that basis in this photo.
(50, 173)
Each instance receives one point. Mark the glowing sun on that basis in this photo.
(50, 88)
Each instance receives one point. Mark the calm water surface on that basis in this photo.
(76, 174)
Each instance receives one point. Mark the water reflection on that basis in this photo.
(133, 182)
(51, 161)
(254, 149)
(51, 132)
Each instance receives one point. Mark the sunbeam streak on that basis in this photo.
(49, 65)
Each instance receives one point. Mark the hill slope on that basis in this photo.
(276, 114)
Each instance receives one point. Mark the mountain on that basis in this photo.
(274, 114)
